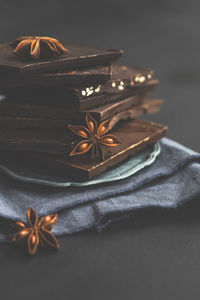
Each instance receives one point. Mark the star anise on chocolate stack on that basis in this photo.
(36, 231)
(38, 47)
(94, 136)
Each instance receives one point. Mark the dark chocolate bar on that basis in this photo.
(78, 56)
(73, 78)
(76, 78)
(7, 108)
(121, 77)
(146, 107)
(73, 98)
(134, 136)
(141, 91)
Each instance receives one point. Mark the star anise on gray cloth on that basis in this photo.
(94, 136)
(36, 231)
(38, 47)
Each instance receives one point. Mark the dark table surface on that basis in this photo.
(155, 253)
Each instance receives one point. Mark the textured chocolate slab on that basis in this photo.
(78, 56)
(146, 107)
(141, 91)
(126, 76)
(50, 112)
(134, 136)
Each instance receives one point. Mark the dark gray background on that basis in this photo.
(155, 253)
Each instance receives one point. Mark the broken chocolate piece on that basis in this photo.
(125, 76)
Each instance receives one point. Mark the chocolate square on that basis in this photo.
(78, 56)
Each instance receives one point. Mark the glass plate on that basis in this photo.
(27, 173)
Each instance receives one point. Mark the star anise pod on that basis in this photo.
(36, 231)
(94, 136)
(38, 47)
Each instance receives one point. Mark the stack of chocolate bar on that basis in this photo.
(73, 106)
